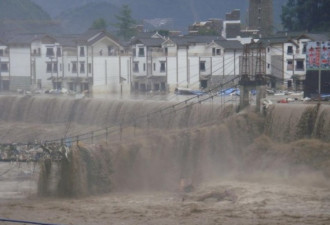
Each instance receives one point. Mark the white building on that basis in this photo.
(95, 61)
(190, 61)
(286, 59)
(4, 66)
(90, 61)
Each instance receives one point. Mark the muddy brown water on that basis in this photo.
(245, 169)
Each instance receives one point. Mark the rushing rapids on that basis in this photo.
(188, 164)
(190, 144)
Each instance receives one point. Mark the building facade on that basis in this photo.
(261, 16)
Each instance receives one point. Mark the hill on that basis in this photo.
(77, 15)
(21, 10)
(23, 16)
(80, 19)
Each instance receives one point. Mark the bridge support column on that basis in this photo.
(244, 96)
(261, 93)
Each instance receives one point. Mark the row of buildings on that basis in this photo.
(95, 61)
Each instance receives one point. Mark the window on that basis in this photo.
(162, 86)
(82, 67)
(74, 67)
(300, 65)
(68, 66)
(55, 67)
(110, 51)
(89, 67)
(39, 51)
(101, 52)
(290, 65)
(141, 52)
(290, 50)
(216, 51)
(136, 67)
(61, 67)
(50, 52)
(49, 67)
(162, 67)
(144, 67)
(156, 87)
(82, 51)
(71, 87)
(1, 52)
(268, 49)
(34, 51)
(304, 48)
(4, 67)
(154, 66)
(166, 51)
(268, 65)
(58, 52)
(202, 66)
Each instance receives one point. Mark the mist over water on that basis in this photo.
(194, 144)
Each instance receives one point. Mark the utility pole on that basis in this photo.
(51, 68)
(0, 76)
(319, 84)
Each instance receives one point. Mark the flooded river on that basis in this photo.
(201, 164)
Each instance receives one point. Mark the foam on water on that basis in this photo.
(194, 144)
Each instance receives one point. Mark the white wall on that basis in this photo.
(20, 61)
(107, 72)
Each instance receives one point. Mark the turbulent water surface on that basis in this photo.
(188, 164)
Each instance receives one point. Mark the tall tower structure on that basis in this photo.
(261, 16)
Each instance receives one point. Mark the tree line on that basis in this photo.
(306, 15)
(297, 15)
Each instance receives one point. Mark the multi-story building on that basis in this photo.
(93, 60)
(4, 66)
(261, 16)
(286, 58)
(191, 61)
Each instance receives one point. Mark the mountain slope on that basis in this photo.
(24, 16)
(21, 10)
(81, 13)
(80, 19)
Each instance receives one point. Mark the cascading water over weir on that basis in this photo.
(191, 143)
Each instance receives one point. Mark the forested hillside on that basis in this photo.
(21, 10)
(78, 15)
(24, 16)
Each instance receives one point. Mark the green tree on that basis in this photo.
(99, 24)
(309, 15)
(125, 23)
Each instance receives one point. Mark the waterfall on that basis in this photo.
(194, 143)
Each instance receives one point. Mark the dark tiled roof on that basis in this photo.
(106, 34)
(149, 42)
(274, 40)
(194, 39)
(229, 44)
(67, 40)
(24, 39)
(316, 37)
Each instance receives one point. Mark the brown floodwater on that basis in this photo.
(235, 168)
